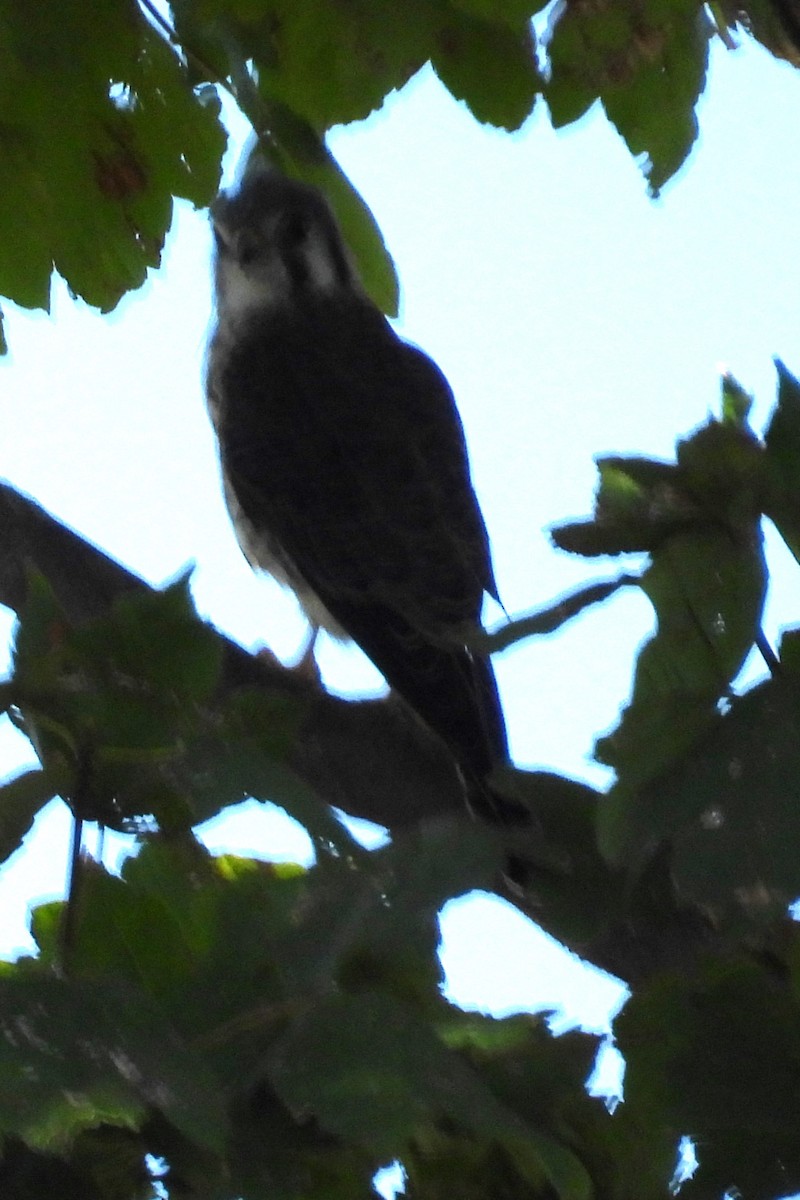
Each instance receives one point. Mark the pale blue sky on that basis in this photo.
(572, 316)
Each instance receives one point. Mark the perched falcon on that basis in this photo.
(344, 463)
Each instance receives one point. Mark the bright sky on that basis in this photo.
(572, 316)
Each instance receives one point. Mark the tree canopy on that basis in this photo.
(220, 1027)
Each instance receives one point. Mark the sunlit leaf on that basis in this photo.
(490, 66)
(100, 129)
(646, 65)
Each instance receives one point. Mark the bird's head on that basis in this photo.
(276, 242)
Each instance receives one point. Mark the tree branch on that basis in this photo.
(369, 758)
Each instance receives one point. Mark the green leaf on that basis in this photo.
(628, 1154)
(427, 865)
(782, 442)
(663, 77)
(718, 1055)
(707, 588)
(789, 654)
(42, 666)
(731, 809)
(117, 917)
(736, 402)
(192, 931)
(294, 148)
(512, 12)
(648, 66)
(334, 63)
(639, 502)
(389, 912)
(20, 801)
(575, 891)
(212, 949)
(127, 700)
(99, 129)
(491, 66)
(106, 1163)
(700, 521)
(361, 231)
(46, 922)
(372, 1073)
(114, 1162)
(575, 66)
(74, 1056)
(255, 739)
(40, 638)
(156, 639)
(722, 466)
(147, 643)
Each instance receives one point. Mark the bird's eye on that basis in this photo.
(247, 247)
(293, 228)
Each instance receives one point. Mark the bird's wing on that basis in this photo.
(345, 444)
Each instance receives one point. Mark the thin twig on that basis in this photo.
(240, 85)
(723, 29)
(66, 933)
(187, 51)
(768, 654)
(79, 797)
(546, 620)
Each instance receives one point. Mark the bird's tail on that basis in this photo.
(453, 691)
(462, 705)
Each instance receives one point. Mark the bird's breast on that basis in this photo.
(265, 553)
